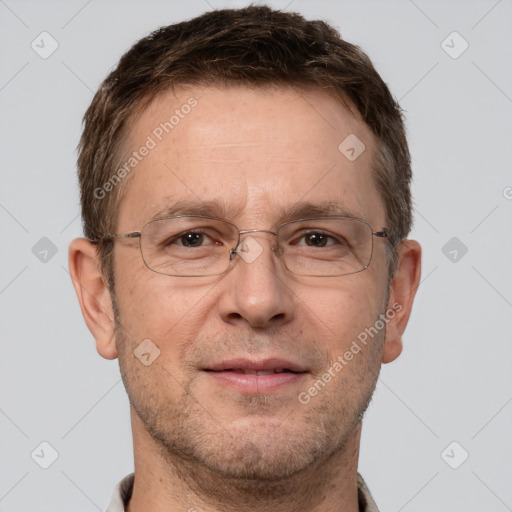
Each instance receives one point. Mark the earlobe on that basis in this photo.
(403, 291)
(93, 295)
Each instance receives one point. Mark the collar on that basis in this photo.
(123, 492)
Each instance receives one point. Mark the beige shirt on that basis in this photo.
(123, 492)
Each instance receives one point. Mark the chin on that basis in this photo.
(267, 452)
(256, 448)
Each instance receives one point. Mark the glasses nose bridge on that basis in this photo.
(243, 231)
(234, 251)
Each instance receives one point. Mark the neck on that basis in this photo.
(165, 482)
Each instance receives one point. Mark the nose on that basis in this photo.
(255, 289)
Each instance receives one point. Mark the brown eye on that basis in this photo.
(192, 239)
(316, 239)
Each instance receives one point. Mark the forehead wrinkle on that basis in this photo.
(281, 213)
(207, 208)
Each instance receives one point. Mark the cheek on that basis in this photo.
(342, 307)
(346, 327)
(166, 310)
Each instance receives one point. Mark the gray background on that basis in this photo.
(453, 381)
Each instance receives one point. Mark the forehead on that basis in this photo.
(253, 154)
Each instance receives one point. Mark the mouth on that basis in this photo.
(256, 377)
(244, 371)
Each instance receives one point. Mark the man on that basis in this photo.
(245, 197)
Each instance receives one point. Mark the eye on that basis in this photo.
(189, 239)
(317, 239)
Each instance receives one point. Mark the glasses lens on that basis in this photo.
(188, 246)
(326, 246)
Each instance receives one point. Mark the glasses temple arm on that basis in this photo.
(135, 234)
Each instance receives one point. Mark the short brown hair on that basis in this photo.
(254, 46)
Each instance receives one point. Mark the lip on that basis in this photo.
(243, 375)
(263, 365)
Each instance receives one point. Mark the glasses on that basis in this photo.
(195, 246)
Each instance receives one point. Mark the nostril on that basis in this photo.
(278, 316)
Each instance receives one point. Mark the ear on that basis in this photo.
(401, 297)
(93, 295)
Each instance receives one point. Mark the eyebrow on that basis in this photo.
(221, 210)
(218, 209)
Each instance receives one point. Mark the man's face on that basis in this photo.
(256, 153)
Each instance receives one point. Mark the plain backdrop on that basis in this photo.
(438, 433)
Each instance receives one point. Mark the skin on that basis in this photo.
(197, 443)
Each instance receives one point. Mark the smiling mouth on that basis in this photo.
(247, 376)
(245, 371)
